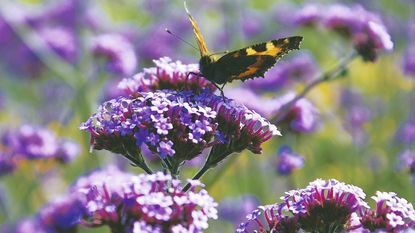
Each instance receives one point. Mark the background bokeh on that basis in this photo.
(54, 73)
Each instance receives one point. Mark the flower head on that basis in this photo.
(321, 206)
(167, 74)
(357, 114)
(270, 218)
(366, 29)
(177, 124)
(409, 62)
(406, 131)
(392, 213)
(288, 161)
(235, 209)
(308, 15)
(35, 142)
(324, 203)
(61, 40)
(63, 215)
(303, 115)
(407, 161)
(117, 51)
(144, 203)
(7, 163)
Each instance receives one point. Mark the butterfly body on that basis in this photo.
(247, 63)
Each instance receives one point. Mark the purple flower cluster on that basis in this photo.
(50, 30)
(300, 68)
(407, 161)
(144, 203)
(125, 203)
(235, 209)
(365, 28)
(357, 114)
(331, 206)
(176, 124)
(321, 206)
(117, 52)
(33, 143)
(62, 215)
(409, 61)
(406, 131)
(167, 74)
(61, 40)
(302, 117)
(392, 214)
(288, 160)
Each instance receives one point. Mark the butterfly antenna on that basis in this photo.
(179, 38)
(185, 7)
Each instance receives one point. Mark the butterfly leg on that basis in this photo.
(220, 89)
(187, 77)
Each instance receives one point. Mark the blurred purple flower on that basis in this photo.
(165, 75)
(235, 209)
(54, 25)
(300, 68)
(63, 215)
(145, 202)
(35, 142)
(7, 163)
(26, 225)
(367, 31)
(117, 52)
(31, 142)
(66, 13)
(60, 216)
(16, 56)
(409, 62)
(303, 115)
(407, 161)
(357, 114)
(288, 160)
(253, 24)
(61, 40)
(406, 131)
(308, 15)
(68, 151)
(392, 214)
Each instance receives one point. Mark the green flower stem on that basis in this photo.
(212, 160)
(198, 175)
(145, 167)
(327, 76)
(137, 160)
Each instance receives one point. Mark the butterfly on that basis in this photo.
(247, 63)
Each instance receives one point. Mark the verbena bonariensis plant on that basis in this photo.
(176, 125)
(125, 203)
(34, 143)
